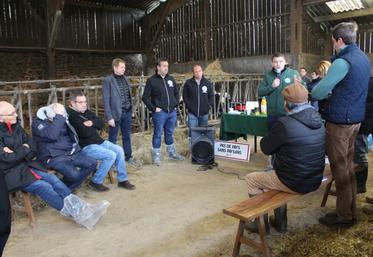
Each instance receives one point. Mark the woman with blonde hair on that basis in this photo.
(321, 70)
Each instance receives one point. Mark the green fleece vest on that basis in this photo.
(275, 100)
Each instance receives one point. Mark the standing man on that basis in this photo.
(272, 85)
(198, 96)
(87, 125)
(161, 96)
(5, 213)
(116, 93)
(347, 79)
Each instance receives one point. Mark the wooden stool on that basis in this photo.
(328, 192)
(111, 177)
(27, 208)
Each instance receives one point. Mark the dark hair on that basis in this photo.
(275, 55)
(347, 31)
(159, 60)
(74, 94)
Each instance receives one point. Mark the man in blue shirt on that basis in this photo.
(347, 80)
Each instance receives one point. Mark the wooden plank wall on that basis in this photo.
(81, 28)
(19, 26)
(237, 28)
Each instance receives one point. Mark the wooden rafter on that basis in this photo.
(344, 15)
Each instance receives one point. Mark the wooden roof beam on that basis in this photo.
(344, 15)
(313, 2)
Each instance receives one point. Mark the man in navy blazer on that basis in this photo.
(116, 93)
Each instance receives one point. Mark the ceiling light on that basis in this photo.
(344, 5)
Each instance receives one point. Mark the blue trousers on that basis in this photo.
(197, 121)
(109, 154)
(125, 124)
(163, 121)
(74, 169)
(50, 189)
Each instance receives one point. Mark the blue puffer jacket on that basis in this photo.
(347, 102)
(298, 140)
(54, 139)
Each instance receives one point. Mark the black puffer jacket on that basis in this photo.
(162, 93)
(16, 166)
(298, 140)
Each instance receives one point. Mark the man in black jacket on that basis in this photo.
(298, 142)
(116, 95)
(21, 172)
(87, 125)
(198, 96)
(161, 96)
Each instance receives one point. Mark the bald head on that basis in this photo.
(7, 112)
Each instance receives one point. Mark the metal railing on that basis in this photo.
(28, 96)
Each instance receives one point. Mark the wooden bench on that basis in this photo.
(255, 208)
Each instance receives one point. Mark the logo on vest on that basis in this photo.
(287, 80)
(170, 84)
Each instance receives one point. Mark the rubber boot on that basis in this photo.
(252, 226)
(280, 221)
(361, 180)
(156, 156)
(171, 150)
(83, 213)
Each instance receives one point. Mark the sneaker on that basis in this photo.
(127, 185)
(134, 163)
(97, 187)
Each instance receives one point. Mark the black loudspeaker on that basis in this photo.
(202, 145)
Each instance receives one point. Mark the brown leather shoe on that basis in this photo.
(126, 185)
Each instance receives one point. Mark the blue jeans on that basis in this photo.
(197, 121)
(74, 169)
(163, 121)
(109, 154)
(49, 188)
(125, 124)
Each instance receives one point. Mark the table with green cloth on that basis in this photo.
(233, 126)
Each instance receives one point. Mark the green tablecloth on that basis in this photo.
(233, 126)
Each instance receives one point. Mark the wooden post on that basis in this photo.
(207, 21)
(296, 21)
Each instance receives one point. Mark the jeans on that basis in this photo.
(125, 124)
(50, 189)
(74, 169)
(340, 144)
(109, 154)
(5, 213)
(197, 121)
(163, 121)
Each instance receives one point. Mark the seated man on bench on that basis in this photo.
(298, 143)
(58, 146)
(21, 172)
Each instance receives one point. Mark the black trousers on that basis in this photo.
(5, 214)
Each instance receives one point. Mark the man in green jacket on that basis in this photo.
(272, 85)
